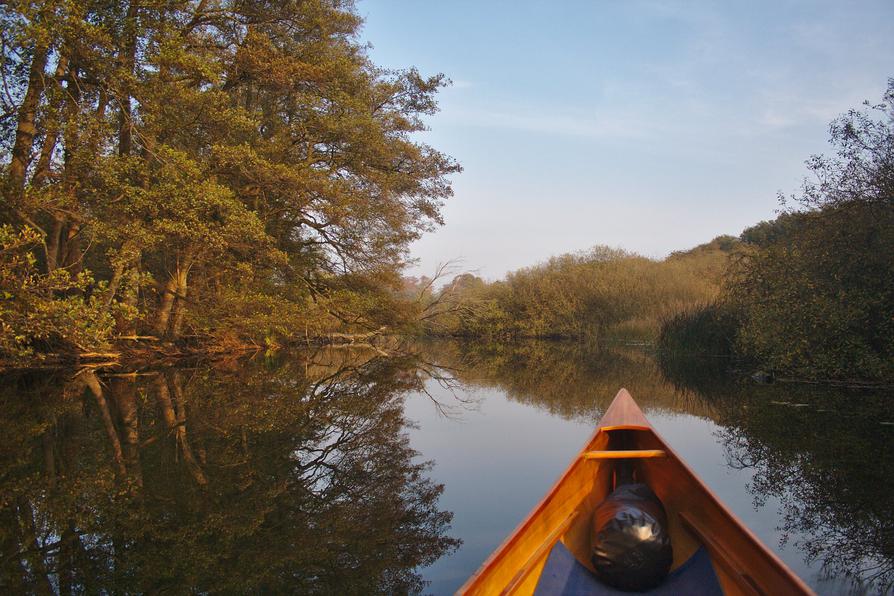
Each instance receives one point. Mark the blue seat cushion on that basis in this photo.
(563, 574)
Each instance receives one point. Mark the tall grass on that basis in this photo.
(707, 329)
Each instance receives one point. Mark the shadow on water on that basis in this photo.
(290, 476)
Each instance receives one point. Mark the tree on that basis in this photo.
(815, 292)
(182, 150)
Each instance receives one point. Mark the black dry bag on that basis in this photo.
(631, 545)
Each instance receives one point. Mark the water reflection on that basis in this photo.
(288, 476)
(574, 380)
(295, 473)
(822, 453)
(824, 456)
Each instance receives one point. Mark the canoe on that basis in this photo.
(698, 523)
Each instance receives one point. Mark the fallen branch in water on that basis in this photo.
(91, 356)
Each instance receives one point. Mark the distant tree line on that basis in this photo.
(192, 167)
(588, 295)
(241, 170)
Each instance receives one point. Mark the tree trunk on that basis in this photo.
(175, 420)
(26, 130)
(63, 245)
(64, 249)
(179, 307)
(130, 297)
(180, 408)
(163, 394)
(115, 282)
(169, 294)
(127, 59)
(72, 255)
(174, 294)
(52, 243)
(126, 282)
(42, 169)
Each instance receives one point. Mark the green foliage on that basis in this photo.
(833, 489)
(820, 302)
(811, 293)
(767, 233)
(815, 289)
(704, 330)
(38, 310)
(291, 478)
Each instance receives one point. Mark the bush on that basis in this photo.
(815, 289)
(55, 312)
(819, 303)
(708, 329)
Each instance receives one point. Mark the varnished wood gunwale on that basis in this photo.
(473, 584)
(539, 554)
(677, 485)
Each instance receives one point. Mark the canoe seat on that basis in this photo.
(563, 574)
(624, 454)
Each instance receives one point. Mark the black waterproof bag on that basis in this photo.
(631, 547)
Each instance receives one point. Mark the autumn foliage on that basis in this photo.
(215, 168)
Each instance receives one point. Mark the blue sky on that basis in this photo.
(649, 125)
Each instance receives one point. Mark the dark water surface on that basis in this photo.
(341, 471)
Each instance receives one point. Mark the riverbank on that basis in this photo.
(148, 351)
(684, 367)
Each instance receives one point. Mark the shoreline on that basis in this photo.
(151, 352)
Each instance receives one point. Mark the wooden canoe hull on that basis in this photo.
(695, 515)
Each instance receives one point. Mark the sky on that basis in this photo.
(648, 125)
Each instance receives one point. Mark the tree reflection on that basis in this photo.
(293, 473)
(569, 379)
(826, 463)
(822, 453)
(294, 476)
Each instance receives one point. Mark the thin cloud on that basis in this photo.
(560, 124)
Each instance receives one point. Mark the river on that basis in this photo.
(345, 471)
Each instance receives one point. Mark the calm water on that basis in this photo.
(340, 471)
